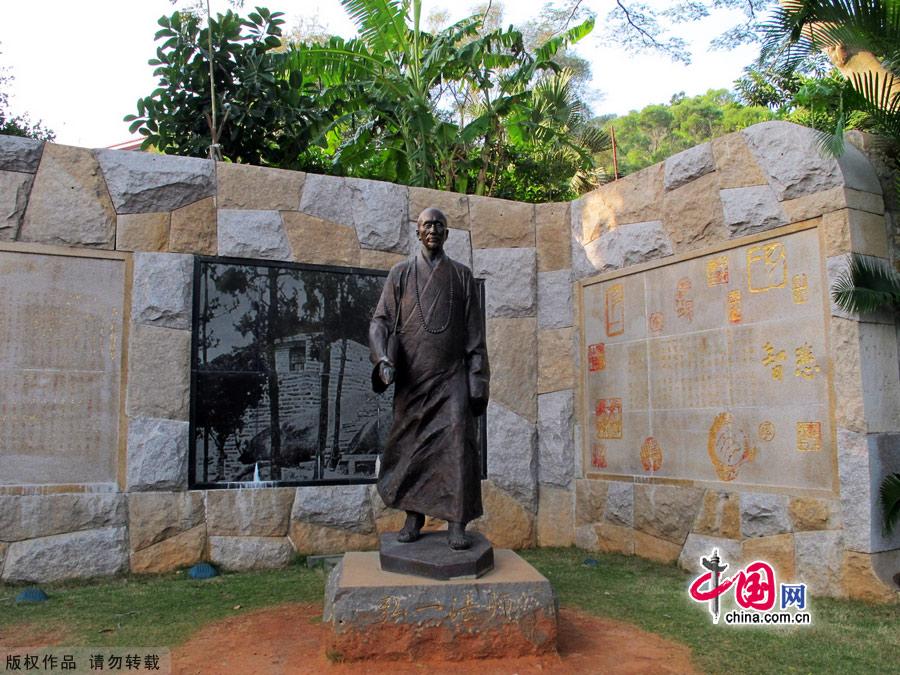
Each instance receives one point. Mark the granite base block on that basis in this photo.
(373, 614)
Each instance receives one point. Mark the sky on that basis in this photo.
(81, 70)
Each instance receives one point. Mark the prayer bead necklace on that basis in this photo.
(429, 329)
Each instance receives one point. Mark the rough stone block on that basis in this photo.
(161, 295)
(620, 503)
(157, 454)
(820, 559)
(379, 211)
(498, 223)
(257, 512)
(243, 186)
(14, 190)
(193, 228)
(554, 295)
(453, 204)
(688, 165)
(510, 276)
(242, 554)
(656, 549)
(511, 456)
(863, 201)
(69, 204)
(692, 214)
(812, 513)
(590, 501)
(33, 516)
(699, 546)
(637, 198)
(77, 555)
(666, 511)
(20, 154)
(143, 231)
(252, 234)
(181, 550)
(751, 209)
(512, 346)
(159, 361)
(856, 489)
(629, 245)
(614, 538)
(314, 240)
(859, 231)
(720, 515)
(586, 537)
(506, 522)
(777, 550)
(438, 619)
(881, 385)
(379, 260)
(140, 181)
(556, 446)
(764, 514)
(341, 506)
(555, 522)
(386, 519)
(847, 369)
(555, 363)
(734, 162)
(312, 539)
(814, 205)
(156, 516)
(861, 581)
(552, 227)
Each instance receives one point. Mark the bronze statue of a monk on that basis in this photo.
(427, 337)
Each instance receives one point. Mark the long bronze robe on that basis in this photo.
(430, 464)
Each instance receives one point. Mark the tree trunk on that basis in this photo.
(336, 434)
(323, 406)
(274, 410)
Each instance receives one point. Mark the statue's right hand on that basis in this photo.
(386, 373)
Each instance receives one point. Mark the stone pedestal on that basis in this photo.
(511, 611)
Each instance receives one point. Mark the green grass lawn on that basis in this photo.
(851, 637)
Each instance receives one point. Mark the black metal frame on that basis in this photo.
(199, 261)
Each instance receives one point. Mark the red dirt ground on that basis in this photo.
(288, 639)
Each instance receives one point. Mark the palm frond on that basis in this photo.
(866, 285)
(890, 502)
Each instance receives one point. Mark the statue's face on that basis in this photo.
(432, 233)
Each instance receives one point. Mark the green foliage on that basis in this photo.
(265, 114)
(866, 285)
(656, 132)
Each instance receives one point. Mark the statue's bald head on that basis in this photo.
(431, 227)
(431, 214)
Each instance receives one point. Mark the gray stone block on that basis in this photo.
(157, 454)
(510, 276)
(245, 233)
(698, 546)
(162, 289)
(764, 514)
(751, 209)
(20, 154)
(820, 558)
(379, 211)
(620, 503)
(78, 555)
(258, 512)
(345, 507)
(141, 182)
(250, 553)
(159, 366)
(629, 245)
(32, 516)
(511, 456)
(14, 190)
(556, 464)
(688, 165)
(554, 291)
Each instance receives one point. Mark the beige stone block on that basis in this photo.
(194, 229)
(815, 204)
(590, 501)
(555, 524)
(143, 231)
(692, 214)
(243, 186)
(720, 515)
(881, 386)
(555, 360)
(863, 201)
(512, 348)
(614, 538)
(553, 236)
(735, 163)
(858, 231)
(319, 241)
(836, 232)
(379, 260)
(850, 412)
(860, 581)
(182, 550)
(637, 198)
(14, 190)
(386, 519)
(69, 203)
(777, 550)
(812, 513)
(3, 547)
(310, 539)
(258, 512)
(666, 511)
(498, 223)
(506, 522)
(159, 366)
(454, 205)
(157, 516)
(656, 549)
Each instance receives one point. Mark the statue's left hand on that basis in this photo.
(478, 405)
